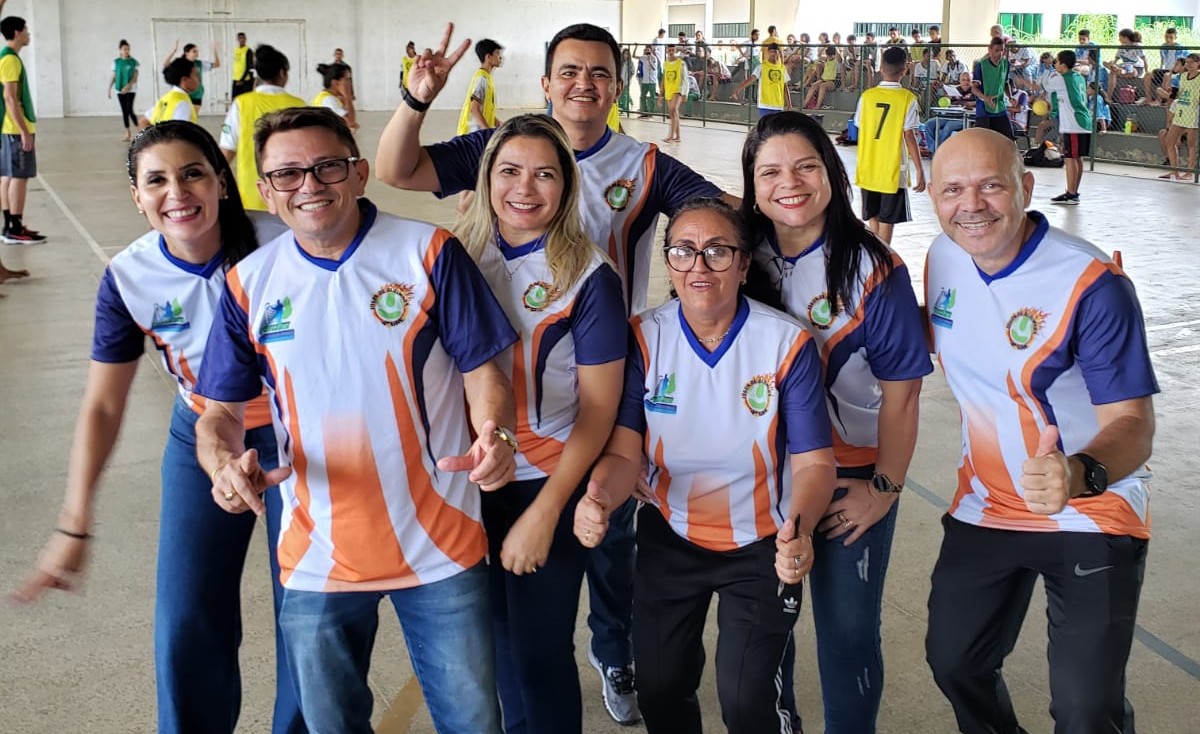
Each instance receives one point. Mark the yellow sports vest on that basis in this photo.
(614, 118)
(408, 62)
(881, 138)
(164, 109)
(489, 103)
(772, 86)
(251, 106)
(672, 78)
(239, 62)
(324, 94)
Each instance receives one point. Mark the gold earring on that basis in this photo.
(142, 212)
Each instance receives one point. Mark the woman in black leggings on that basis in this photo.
(124, 78)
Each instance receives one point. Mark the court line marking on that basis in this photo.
(62, 206)
(1172, 325)
(1156, 644)
(1175, 350)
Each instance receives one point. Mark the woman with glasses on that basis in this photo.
(856, 299)
(565, 300)
(167, 285)
(723, 404)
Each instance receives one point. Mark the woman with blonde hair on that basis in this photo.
(524, 230)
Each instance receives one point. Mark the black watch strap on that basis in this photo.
(412, 101)
(1095, 475)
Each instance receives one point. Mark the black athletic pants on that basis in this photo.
(128, 116)
(241, 87)
(673, 587)
(982, 584)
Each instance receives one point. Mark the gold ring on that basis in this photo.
(841, 516)
(847, 523)
(229, 495)
(799, 561)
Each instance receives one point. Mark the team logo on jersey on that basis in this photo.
(757, 394)
(538, 295)
(276, 324)
(663, 399)
(390, 303)
(1024, 326)
(820, 312)
(169, 317)
(774, 76)
(943, 309)
(618, 193)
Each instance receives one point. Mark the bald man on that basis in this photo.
(1042, 342)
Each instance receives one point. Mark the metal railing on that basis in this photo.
(718, 68)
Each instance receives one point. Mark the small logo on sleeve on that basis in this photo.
(757, 393)
(943, 309)
(390, 303)
(663, 399)
(276, 323)
(169, 317)
(618, 194)
(1024, 326)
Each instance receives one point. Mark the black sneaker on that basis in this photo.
(23, 236)
(1066, 199)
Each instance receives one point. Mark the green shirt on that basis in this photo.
(123, 70)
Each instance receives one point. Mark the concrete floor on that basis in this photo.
(82, 663)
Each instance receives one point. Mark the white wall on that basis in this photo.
(731, 11)
(74, 42)
(683, 14)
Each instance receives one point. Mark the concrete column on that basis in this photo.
(780, 13)
(43, 58)
(968, 21)
(641, 19)
(707, 27)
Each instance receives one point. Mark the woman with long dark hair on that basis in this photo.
(855, 297)
(167, 284)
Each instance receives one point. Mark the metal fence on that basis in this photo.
(1130, 112)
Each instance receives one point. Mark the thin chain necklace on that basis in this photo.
(713, 339)
(503, 244)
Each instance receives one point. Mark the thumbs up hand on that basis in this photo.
(1046, 476)
(591, 515)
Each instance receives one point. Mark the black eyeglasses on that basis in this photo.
(717, 258)
(327, 172)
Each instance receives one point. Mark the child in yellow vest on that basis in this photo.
(673, 91)
(237, 134)
(338, 91)
(176, 104)
(479, 108)
(828, 81)
(887, 121)
(406, 64)
(771, 76)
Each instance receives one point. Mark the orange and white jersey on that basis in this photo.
(147, 291)
(1042, 342)
(719, 426)
(558, 331)
(880, 337)
(363, 360)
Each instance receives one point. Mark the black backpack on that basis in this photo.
(1044, 156)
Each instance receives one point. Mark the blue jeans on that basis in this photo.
(329, 636)
(939, 129)
(197, 607)
(846, 584)
(533, 619)
(610, 589)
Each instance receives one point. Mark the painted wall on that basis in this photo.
(683, 14)
(74, 42)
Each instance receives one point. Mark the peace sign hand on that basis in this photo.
(432, 68)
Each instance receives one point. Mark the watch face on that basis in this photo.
(883, 484)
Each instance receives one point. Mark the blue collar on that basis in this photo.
(204, 270)
(512, 252)
(582, 155)
(369, 212)
(773, 241)
(1027, 248)
(712, 358)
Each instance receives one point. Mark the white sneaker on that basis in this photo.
(620, 694)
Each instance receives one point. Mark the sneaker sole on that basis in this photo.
(595, 663)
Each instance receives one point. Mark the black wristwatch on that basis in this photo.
(1095, 475)
(883, 485)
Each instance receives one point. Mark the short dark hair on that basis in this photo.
(188, 47)
(300, 118)
(1172, 31)
(772, 46)
(11, 26)
(893, 60)
(1085, 32)
(1067, 58)
(178, 70)
(933, 28)
(330, 73)
(584, 32)
(996, 41)
(893, 28)
(241, 34)
(722, 209)
(485, 48)
(270, 62)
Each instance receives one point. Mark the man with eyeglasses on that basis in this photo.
(237, 134)
(355, 321)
